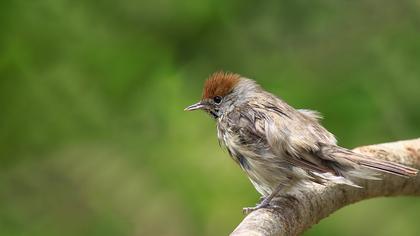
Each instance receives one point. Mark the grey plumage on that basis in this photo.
(280, 148)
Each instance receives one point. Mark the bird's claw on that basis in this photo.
(247, 210)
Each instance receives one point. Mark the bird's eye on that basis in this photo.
(217, 99)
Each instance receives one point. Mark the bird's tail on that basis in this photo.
(347, 157)
(389, 167)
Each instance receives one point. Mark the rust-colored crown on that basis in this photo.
(220, 84)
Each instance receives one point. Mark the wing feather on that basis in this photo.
(296, 141)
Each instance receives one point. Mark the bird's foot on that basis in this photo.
(268, 205)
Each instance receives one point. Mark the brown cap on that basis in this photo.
(220, 84)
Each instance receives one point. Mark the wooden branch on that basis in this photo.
(308, 207)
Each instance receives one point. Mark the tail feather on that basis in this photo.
(389, 167)
(346, 157)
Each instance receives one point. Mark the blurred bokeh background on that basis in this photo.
(94, 139)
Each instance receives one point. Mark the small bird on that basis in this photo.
(279, 147)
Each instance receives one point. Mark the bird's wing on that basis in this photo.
(296, 136)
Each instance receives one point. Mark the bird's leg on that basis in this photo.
(265, 203)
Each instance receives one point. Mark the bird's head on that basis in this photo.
(222, 90)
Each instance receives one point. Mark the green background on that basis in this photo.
(94, 139)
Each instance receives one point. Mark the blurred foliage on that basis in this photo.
(93, 137)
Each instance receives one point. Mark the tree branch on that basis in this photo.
(311, 204)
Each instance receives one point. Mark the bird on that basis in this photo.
(279, 147)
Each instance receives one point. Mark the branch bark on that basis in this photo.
(309, 206)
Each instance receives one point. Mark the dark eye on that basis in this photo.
(217, 99)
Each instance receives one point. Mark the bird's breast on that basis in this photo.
(264, 169)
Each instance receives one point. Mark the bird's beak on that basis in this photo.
(197, 106)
